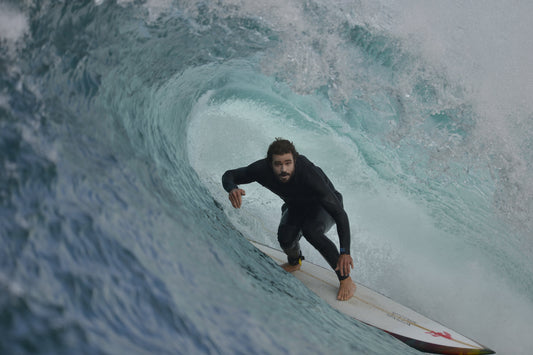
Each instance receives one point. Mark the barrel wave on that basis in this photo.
(118, 118)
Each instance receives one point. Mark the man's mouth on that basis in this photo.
(284, 176)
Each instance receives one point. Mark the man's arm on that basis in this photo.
(232, 178)
(332, 204)
(334, 207)
(336, 210)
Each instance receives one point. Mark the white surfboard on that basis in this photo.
(381, 312)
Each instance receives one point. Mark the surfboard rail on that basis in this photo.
(377, 310)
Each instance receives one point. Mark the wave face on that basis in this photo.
(118, 119)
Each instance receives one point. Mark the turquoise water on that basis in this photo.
(117, 120)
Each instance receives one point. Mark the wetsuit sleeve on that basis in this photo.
(333, 205)
(245, 175)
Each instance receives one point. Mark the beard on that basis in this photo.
(284, 177)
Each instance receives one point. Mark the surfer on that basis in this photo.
(311, 207)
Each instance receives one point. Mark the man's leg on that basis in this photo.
(289, 234)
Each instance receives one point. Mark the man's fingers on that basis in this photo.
(341, 268)
(233, 201)
(344, 264)
(235, 197)
(236, 200)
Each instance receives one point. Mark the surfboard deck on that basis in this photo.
(381, 312)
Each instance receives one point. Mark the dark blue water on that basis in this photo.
(117, 120)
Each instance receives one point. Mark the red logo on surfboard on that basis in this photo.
(440, 334)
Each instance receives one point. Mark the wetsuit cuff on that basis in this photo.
(230, 188)
(296, 261)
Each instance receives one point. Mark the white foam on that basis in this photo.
(487, 48)
(155, 7)
(13, 24)
(487, 44)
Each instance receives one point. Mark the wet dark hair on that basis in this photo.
(279, 147)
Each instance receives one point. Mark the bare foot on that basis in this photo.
(291, 268)
(346, 289)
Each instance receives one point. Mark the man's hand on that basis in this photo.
(235, 196)
(343, 264)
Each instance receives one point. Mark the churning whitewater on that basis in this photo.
(118, 119)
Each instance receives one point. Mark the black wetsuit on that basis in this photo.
(311, 207)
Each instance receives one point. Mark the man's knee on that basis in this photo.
(313, 231)
(287, 236)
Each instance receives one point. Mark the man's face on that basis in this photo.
(283, 166)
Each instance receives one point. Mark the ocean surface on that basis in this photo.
(118, 118)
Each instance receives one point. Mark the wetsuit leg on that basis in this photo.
(289, 234)
(315, 226)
